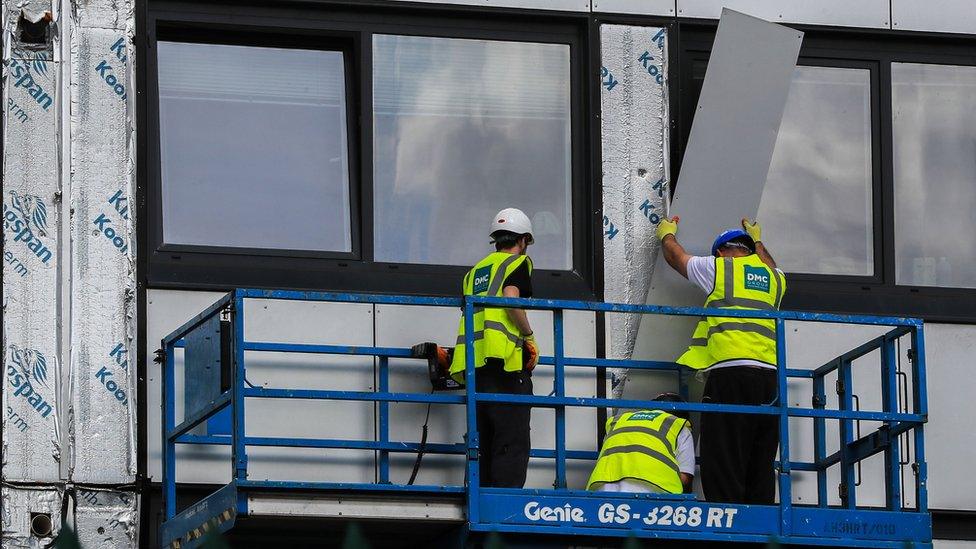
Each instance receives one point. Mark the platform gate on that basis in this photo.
(215, 347)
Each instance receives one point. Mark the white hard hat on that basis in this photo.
(512, 220)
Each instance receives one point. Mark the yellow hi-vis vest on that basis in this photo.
(740, 283)
(643, 446)
(495, 335)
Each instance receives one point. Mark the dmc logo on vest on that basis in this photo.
(757, 278)
(481, 277)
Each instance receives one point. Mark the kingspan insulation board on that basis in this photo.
(69, 313)
(724, 168)
(103, 260)
(32, 436)
(634, 125)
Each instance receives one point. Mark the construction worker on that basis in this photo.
(736, 450)
(648, 451)
(505, 351)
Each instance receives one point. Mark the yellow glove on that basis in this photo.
(754, 230)
(530, 352)
(667, 227)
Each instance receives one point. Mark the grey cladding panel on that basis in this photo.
(725, 164)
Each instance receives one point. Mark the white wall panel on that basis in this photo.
(934, 15)
(278, 322)
(862, 13)
(949, 435)
(637, 7)
(953, 544)
(561, 5)
(401, 326)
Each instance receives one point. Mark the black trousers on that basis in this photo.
(503, 429)
(737, 450)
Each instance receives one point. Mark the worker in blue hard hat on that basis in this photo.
(736, 450)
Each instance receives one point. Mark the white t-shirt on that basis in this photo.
(684, 452)
(701, 271)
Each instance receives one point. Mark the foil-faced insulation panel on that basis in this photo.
(30, 516)
(32, 380)
(69, 275)
(106, 519)
(634, 125)
(103, 259)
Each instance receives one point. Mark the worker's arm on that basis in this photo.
(686, 458)
(754, 230)
(517, 316)
(674, 253)
(763, 254)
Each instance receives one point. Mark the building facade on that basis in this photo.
(157, 153)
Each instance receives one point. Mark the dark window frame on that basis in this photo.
(261, 38)
(854, 48)
(350, 29)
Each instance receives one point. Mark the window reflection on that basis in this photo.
(253, 146)
(816, 208)
(462, 129)
(934, 149)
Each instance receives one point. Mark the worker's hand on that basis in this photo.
(667, 227)
(530, 352)
(754, 230)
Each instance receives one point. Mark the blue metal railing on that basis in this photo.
(792, 523)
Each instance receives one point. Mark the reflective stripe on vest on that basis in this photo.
(744, 283)
(494, 335)
(642, 448)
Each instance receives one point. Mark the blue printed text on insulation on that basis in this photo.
(104, 227)
(107, 72)
(120, 203)
(16, 112)
(106, 377)
(659, 38)
(26, 371)
(646, 208)
(647, 60)
(16, 265)
(25, 217)
(610, 230)
(121, 356)
(22, 78)
(609, 82)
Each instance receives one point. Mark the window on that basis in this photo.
(870, 200)
(462, 129)
(357, 148)
(253, 147)
(934, 157)
(816, 207)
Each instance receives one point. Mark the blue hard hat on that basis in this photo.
(729, 236)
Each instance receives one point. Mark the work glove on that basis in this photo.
(667, 227)
(754, 230)
(530, 352)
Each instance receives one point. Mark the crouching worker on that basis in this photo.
(648, 451)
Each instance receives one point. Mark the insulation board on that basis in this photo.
(634, 106)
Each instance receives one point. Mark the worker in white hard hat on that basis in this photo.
(505, 351)
(736, 450)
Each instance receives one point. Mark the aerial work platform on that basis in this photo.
(214, 349)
